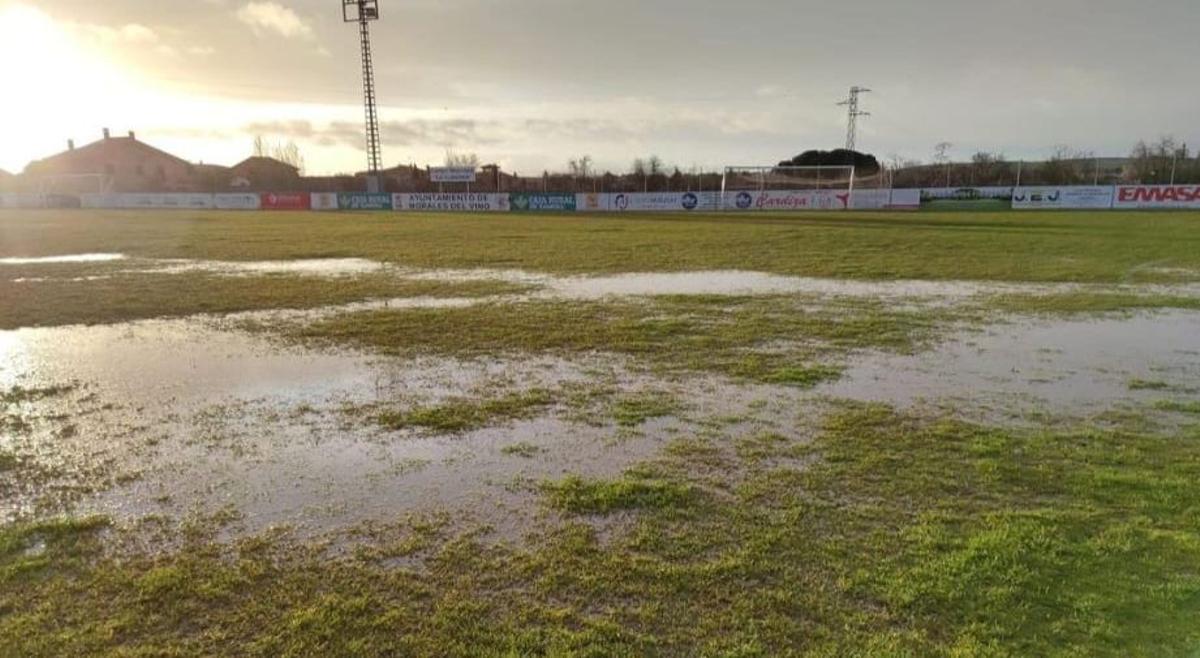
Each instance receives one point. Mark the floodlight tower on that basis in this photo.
(364, 12)
(855, 113)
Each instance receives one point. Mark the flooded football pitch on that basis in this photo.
(204, 415)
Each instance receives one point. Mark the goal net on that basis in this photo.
(787, 188)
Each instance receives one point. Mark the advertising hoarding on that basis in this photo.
(451, 202)
(647, 201)
(452, 174)
(286, 201)
(787, 200)
(542, 202)
(164, 201)
(236, 201)
(1062, 198)
(323, 201)
(1179, 197)
(364, 201)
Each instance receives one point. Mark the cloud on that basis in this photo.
(272, 17)
(132, 33)
(463, 133)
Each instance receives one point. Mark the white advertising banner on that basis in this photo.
(664, 202)
(236, 201)
(1062, 198)
(771, 200)
(788, 200)
(13, 200)
(324, 201)
(967, 193)
(452, 174)
(100, 200)
(905, 200)
(451, 202)
(593, 202)
(1180, 197)
(871, 199)
(156, 201)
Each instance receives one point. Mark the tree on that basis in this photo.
(1156, 163)
(864, 164)
(941, 156)
(655, 164)
(287, 153)
(991, 169)
(581, 167)
(1065, 166)
(464, 160)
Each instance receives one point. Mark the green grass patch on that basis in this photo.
(582, 496)
(462, 414)
(1063, 246)
(18, 394)
(1176, 406)
(1087, 302)
(1148, 385)
(903, 536)
(139, 296)
(524, 449)
(634, 410)
(769, 339)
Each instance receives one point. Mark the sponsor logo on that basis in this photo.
(273, 201)
(622, 202)
(360, 201)
(744, 200)
(544, 202)
(690, 201)
(1176, 194)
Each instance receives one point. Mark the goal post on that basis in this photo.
(787, 187)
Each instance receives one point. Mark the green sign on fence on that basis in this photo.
(363, 201)
(542, 202)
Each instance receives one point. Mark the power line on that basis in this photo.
(854, 114)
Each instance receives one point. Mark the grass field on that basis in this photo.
(1034, 246)
(958, 434)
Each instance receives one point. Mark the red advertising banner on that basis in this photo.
(286, 201)
(1157, 196)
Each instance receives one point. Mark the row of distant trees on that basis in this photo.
(1161, 162)
(1152, 163)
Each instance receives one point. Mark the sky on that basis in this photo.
(532, 84)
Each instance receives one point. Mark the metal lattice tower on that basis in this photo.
(855, 113)
(363, 12)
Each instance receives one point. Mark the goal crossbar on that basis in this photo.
(762, 178)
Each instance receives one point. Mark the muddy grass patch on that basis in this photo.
(1176, 406)
(463, 414)
(127, 297)
(1084, 302)
(905, 535)
(664, 334)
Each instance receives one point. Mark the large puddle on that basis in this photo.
(178, 417)
(193, 415)
(717, 282)
(1060, 367)
(66, 259)
(188, 416)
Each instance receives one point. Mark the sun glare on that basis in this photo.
(60, 87)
